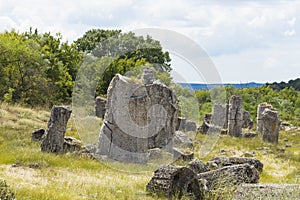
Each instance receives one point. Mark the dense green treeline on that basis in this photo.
(286, 101)
(279, 86)
(40, 69)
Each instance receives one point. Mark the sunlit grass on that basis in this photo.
(75, 177)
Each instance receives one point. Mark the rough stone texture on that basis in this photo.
(5, 192)
(180, 155)
(190, 126)
(235, 116)
(230, 176)
(260, 109)
(148, 76)
(38, 135)
(197, 166)
(155, 153)
(71, 144)
(180, 126)
(100, 104)
(222, 161)
(138, 118)
(271, 125)
(174, 181)
(247, 121)
(267, 192)
(205, 124)
(181, 140)
(220, 115)
(249, 135)
(54, 138)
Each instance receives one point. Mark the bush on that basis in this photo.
(5, 191)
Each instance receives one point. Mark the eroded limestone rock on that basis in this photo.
(235, 116)
(138, 117)
(100, 104)
(260, 109)
(54, 139)
(271, 125)
(267, 192)
(230, 176)
(174, 181)
(222, 161)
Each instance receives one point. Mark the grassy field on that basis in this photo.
(35, 175)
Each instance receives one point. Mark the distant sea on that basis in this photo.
(200, 86)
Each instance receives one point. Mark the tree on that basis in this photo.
(63, 61)
(129, 51)
(22, 70)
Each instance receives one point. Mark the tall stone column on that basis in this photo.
(271, 124)
(235, 116)
(260, 109)
(55, 133)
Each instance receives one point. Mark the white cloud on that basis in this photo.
(228, 30)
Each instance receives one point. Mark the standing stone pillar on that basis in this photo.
(235, 116)
(100, 107)
(54, 139)
(271, 125)
(220, 115)
(260, 109)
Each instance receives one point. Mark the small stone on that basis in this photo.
(285, 139)
(288, 145)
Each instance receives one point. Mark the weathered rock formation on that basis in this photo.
(190, 126)
(55, 133)
(37, 135)
(235, 116)
(148, 76)
(267, 191)
(197, 166)
(220, 115)
(247, 121)
(175, 181)
(138, 117)
(226, 178)
(184, 124)
(271, 125)
(100, 107)
(196, 181)
(182, 141)
(222, 161)
(260, 109)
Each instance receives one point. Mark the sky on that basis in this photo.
(246, 40)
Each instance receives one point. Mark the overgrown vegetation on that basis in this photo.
(36, 175)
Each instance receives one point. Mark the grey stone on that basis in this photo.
(230, 176)
(148, 76)
(100, 107)
(235, 116)
(71, 144)
(180, 155)
(247, 121)
(271, 125)
(174, 182)
(55, 133)
(38, 135)
(181, 140)
(222, 161)
(138, 117)
(267, 192)
(220, 115)
(181, 122)
(260, 109)
(197, 166)
(190, 126)
(249, 135)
